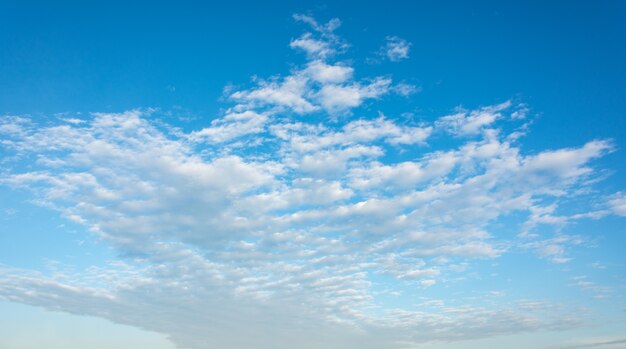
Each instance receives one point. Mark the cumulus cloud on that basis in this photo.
(319, 86)
(279, 225)
(325, 73)
(337, 97)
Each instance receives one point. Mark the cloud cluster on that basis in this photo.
(279, 226)
(323, 84)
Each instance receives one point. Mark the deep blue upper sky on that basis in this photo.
(563, 57)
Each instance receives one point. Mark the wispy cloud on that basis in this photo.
(396, 49)
(617, 203)
(600, 344)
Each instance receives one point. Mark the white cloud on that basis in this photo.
(404, 175)
(472, 123)
(568, 163)
(313, 47)
(618, 204)
(74, 121)
(428, 282)
(327, 28)
(396, 49)
(324, 73)
(341, 97)
(290, 93)
(325, 44)
(405, 90)
(231, 126)
(308, 138)
(333, 162)
(297, 93)
(521, 112)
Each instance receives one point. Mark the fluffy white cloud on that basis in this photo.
(471, 123)
(231, 126)
(337, 97)
(318, 86)
(325, 73)
(308, 138)
(290, 93)
(403, 175)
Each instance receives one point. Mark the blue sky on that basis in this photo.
(312, 175)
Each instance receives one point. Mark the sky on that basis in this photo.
(311, 175)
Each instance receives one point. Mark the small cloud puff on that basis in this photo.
(396, 49)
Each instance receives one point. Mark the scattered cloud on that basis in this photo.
(583, 282)
(469, 123)
(231, 126)
(280, 217)
(406, 90)
(618, 204)
(313, 47)
(322, 43)
(396, 49)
